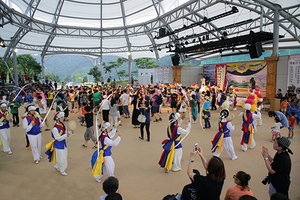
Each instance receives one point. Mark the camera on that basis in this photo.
(196, 147)
(266, 180)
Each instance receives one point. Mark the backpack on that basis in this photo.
(160, 99)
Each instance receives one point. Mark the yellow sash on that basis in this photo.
(220, 142)
(170, 156)
(250, 129)
(3, 118)
(97, 169)
(52, 149)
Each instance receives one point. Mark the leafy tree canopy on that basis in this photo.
(28, 65)
(145, 63)
(96, 73)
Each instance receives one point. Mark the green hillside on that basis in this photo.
(63, 65)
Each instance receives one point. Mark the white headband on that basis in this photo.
(30, 108)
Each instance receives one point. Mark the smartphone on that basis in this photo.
(196, 147)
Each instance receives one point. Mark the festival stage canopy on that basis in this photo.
(122, 27)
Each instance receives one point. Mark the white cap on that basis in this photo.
(3, 105)
(30, 108)
(104, 96)
(59, 115)
(105, 126)
(175, 117)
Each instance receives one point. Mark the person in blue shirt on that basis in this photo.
(282, 117)
(145, 110)
(206, 111)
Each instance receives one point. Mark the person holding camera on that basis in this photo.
(209, 186)
(279, 167)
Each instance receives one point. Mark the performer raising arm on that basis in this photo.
(57, 149)
(32, 125)
(105, 161)
(173, 153)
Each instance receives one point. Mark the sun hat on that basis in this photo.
(284, 141)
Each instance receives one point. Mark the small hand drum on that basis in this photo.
(116, 126)
(9, 117)
(72, 125)
(230, 117)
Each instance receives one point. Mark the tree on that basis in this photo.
(28, 65)
(106, 68)
(145, 63)
(68, 78)
(52, 77)
(85, 79)
(96, 73)
(78, 77)
(122, 73)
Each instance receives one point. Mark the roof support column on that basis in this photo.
(43, 71)
(15, 68)
(9, 71)
(129, 68)
(276, 30)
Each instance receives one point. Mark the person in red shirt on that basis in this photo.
(26, 76)
(292, 125)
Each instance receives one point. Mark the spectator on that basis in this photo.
(247, 197)
(279, 167)
(292, 125)
(241, 180)
(279, 196)
(282, 117)
(145, 111)
(110, 186)
(252, 82)
(55, 85)
(209, 186)
(278, 95)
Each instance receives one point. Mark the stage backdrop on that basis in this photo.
(238, 74)
(294, 71)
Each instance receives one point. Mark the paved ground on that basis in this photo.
(136, 162)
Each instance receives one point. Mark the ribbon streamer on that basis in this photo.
(190, 117)
(21, 91)
(97, 130)
(51, 105)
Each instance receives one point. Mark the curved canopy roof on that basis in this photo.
(116, 27)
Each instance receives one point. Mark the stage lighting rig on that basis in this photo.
(163, 33)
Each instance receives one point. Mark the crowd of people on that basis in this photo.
(147, 103)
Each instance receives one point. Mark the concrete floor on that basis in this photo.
(136, 161)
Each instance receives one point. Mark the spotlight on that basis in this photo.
(171, 45)
(16, 50)
(166, 46)
(203, 38)
(151, 50)
(207, 37)
(182, 44)
(194, 40)
(159, 49)
(186, 42)
(225, 33)
(128, 53)
(2, 43)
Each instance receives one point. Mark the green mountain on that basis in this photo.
(63, 65)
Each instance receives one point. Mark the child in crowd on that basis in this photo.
(206, 111)
(292, 125)
(82, 112)
(284, 106)
(276, 129)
